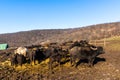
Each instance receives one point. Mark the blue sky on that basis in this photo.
(24, 15)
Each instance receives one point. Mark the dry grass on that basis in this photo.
(113, 43)
(115, 38)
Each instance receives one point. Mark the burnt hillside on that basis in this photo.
(92, 32)
(60, 35)
(28, 37)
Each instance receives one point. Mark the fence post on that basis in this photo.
(104, 42)
(95, 42)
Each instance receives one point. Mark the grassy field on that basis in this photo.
(112, 43)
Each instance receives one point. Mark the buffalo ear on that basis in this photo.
(93, 48)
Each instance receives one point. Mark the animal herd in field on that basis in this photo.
(76, 51)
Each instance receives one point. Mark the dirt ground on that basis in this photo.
(106, 67)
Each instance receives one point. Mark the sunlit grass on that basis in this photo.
(113, 43)
(113, 38)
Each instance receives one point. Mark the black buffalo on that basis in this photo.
(31, 55)
(80, 43)
(38, 54)
(17, 59)
(13, 60)
(54, 55)
(85, 52)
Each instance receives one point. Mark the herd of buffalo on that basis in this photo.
(76, 51)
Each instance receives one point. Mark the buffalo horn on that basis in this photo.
(93, 48)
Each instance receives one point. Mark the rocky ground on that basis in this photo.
(106, 68)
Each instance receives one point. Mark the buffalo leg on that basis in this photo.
(90, 62)
(71, 60)
(50, 65)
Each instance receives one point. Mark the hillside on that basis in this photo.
(94, 32)
(60, 35)
(28, 37)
